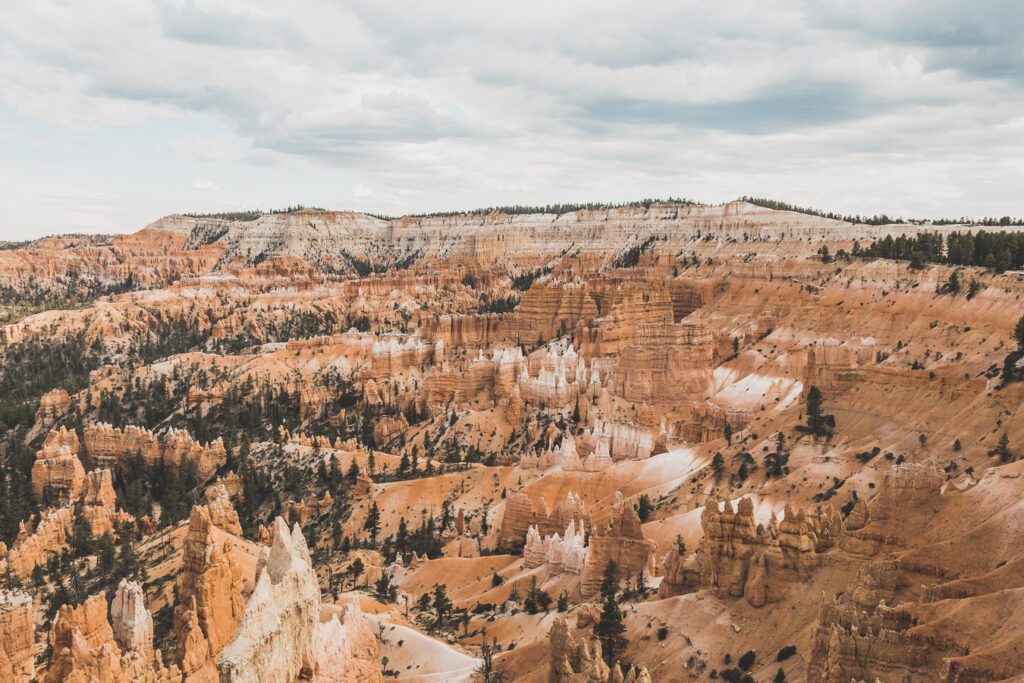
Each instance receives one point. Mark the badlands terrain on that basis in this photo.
(648, 443)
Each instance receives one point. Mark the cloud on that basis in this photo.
(464, 103)
(204, 185)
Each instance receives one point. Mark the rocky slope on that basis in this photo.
(328, 446)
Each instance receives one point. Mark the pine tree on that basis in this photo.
(609, 629)
(815, 419)
(1003, 449)
(372, 523)
(610, 582)
(442, 605)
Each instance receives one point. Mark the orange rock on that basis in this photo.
(621, 540)
(57, 474)
(222, 512)
(210, 600)
(17, 649)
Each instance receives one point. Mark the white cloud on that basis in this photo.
(905, 106)
(204, 185)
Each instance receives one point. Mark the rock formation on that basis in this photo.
(739, 557)
(364, 486)
(666, 363)
(86, 648)
(210, 600)
(131, 622)
(107, 446)
(83, 645)
(702, 421)
(346, 650)
(561, 554)
(905, 486)
(578, 662)
(99, 501)
(17, 648)
(51, 535)
(222, 512)
(274, 640)
(618, 440)
(854, 644)
(57, 474)
(521, 513)
(622, 540)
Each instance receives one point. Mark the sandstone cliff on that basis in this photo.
(573, 661)
(622, 540)
(346, 650)
(57, 474)
(210, 600)
(17, 649)
(274, 639)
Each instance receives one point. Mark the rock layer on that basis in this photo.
(274, 640)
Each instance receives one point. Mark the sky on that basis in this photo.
(116, 112)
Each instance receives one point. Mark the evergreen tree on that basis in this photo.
(610, 582)
(815, 418)
(372, 523)
(610, 629)
(442, 605)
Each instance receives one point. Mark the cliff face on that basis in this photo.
(274, 639)
(521, 514)
(57, 474)
(592, 352)
(739, 557)
(17, 649)
(573, 661)
(621, 540)
(346, 650)
(110, 447)
(665, 363)
(210, 600)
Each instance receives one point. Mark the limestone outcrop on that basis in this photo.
(110, 447)
(222, 512)
(274, 639)
(573, 661)
(739, 557)
(210, 600)
(566, 553)
(57, 474)
(346, 650)
(50, 535)
(83, 645)
(622, 540)
(17, 646)
(521, 513)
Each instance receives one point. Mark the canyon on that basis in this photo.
(660, 441)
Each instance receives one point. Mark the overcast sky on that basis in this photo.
(115, 112)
